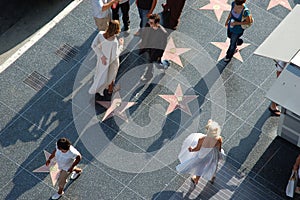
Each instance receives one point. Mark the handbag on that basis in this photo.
(245, 26)
(291, 186)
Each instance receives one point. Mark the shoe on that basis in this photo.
(126, 29)
(212, 180)
(227, 59)
(297, 191)
(274, 112)
(56, 196)
(239, 42)
(74, 175)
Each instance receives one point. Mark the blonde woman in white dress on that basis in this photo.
(107, 49)
(200, 153)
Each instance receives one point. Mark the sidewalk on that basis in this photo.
(44, 97)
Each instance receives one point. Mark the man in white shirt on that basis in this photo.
(67, 157)
(101, 12)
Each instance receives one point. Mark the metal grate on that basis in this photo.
(36, 80)
(66, 52)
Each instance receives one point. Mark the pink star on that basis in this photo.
(178, 101)
(116, 107)
(218, 6)
(284, 3)
(52, 168)
(224, 46)
(172, 53)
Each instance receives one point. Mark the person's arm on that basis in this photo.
(154, 2)
(77, 160)
(197, 148)
(227, 20)
(50, 157)
(109, 4)
(297, 163)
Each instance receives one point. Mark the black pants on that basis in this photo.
(125, 13)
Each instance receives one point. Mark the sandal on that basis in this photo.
(274, 112)
(116, 88)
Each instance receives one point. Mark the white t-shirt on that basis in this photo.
(97, 8)
(65, 160)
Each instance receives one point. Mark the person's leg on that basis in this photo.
(115, 12)
(231, 49)
(143, 17)
(175, 12)
(62, 181)
(125, 14)
(195, 179)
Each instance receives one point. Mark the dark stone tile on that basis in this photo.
(235, 91)
(26, 186)
(148, 183)
(262, 120)
(204, 35)
(242, 142)
(14, 93)
(42, 58)
(22, 140)
(50, 113)
(170, 190)
(83, 14)
(256, 69)
(230, 126)
(8, 118)
(9, 170)
(129, 194)
(278, 11)
(108, 187)
(264, 19)
(249, 106)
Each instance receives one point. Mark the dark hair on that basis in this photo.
(239, 2)
(63, 143)
(156, 18)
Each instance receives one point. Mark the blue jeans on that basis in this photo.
(143, 16)
(234, 40)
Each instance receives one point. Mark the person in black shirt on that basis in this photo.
(173, 8)
(145, 8)
(154, 41)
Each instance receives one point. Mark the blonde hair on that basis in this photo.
(113, 28)
(213, 129)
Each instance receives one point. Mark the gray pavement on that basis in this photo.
(44, 97)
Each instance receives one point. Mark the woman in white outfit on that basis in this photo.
(200, 153)
(107, 49)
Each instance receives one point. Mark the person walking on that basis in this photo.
(124, 6)
(234, 28)
(154, 41)
(200, 153)
(101, 12)
(173, 9)
(67, 157)
(145, 8)
(107, 49)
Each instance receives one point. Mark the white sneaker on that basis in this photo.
(74, 175)
(57, 196)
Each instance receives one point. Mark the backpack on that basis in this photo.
(244, 18)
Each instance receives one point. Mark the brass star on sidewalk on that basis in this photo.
(172, 53)
(218, 6)
(116, 107)
(224, 46)
(178, 100)
(52, 168)
(284, 3)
